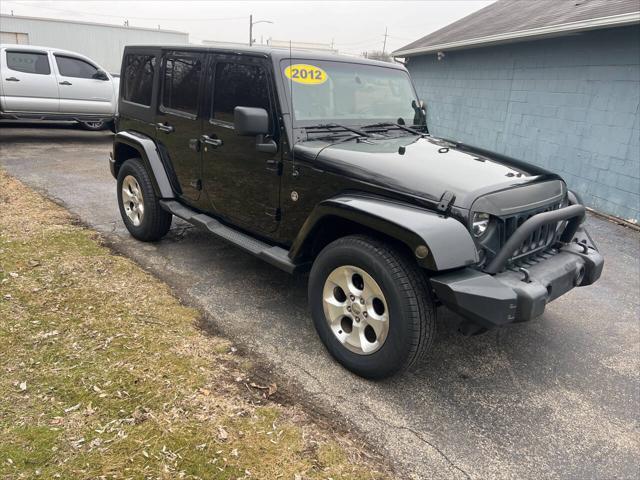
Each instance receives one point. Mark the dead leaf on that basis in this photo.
(273, 388)
(13, 274)
(222, 434)
(72, 409)
(269, 390)
(33, 263)
(204, 391)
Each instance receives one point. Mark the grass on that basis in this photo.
(105, 374)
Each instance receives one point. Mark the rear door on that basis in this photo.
(179, 119)
(28, 81)
(80, 92)
(242, 183)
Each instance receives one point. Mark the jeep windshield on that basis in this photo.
(330, 92)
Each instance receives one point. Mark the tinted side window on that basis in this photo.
(181, 82)
(138, 78)
(74, 67)
(28, 62)
(238, 85)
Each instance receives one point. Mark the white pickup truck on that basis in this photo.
(43, 83)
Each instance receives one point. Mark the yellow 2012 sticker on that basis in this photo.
(307, 74)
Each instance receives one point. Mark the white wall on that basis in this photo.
(102, 43)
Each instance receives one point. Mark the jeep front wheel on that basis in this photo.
(371, 306)
(139, 207)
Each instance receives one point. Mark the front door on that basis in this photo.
(241, 182)
(28, 82)
(178, 122)
(79, 91)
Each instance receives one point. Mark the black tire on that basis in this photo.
(155, 221)
(411, 310)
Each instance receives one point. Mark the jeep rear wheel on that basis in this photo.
(371, 306)
(139, 207)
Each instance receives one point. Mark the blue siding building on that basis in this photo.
(568, 102)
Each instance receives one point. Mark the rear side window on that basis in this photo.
(138, 78)
(74, 67)
(181, 83)
(28, 62)
(238, 85)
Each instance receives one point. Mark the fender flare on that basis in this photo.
(150, 155)
(448, 241)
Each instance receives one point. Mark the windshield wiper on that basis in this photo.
(337, 125)
(397, 125)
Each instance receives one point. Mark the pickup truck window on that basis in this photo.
(28, 62)
(238, 84)
(74, 67)
(181, 84)
(348, 93)
(137, 83)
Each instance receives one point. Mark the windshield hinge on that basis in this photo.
(274, 166)
(446, 201)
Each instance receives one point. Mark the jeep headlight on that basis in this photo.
(480, 224)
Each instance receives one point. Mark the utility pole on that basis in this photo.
(384, 45)
(251, 24)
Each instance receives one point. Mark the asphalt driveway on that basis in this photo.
(555, 398)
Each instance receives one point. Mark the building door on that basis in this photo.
(80, 92)
(28, 82)
(179, 123)
(241, 182)
(14, 38)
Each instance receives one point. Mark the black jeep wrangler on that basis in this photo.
(324, 164)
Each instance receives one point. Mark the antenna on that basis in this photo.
(293, 138)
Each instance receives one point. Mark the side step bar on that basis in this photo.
(276, 256)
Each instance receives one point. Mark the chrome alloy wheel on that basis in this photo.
(132, 200)
(355, 309)
(98, 124)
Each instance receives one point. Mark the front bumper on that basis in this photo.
(520, 295)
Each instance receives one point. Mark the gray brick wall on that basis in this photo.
(570, 104)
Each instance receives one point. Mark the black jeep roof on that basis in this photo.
(274, 53)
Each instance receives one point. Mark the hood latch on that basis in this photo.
(446, 201)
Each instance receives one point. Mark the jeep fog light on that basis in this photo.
(480, 224)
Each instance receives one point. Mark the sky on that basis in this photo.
(352, 26)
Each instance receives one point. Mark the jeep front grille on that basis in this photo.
(540, 239)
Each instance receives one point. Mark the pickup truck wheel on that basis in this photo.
(94, 126)
(371, 306)
(139, 207)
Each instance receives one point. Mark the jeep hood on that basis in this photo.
(423, 167)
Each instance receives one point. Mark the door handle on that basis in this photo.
(214, 142)
(66, 83)
(12, 79)
(163, 127)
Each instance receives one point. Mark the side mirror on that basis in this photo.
(420, 117)
(250, 121)
(100, 75)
